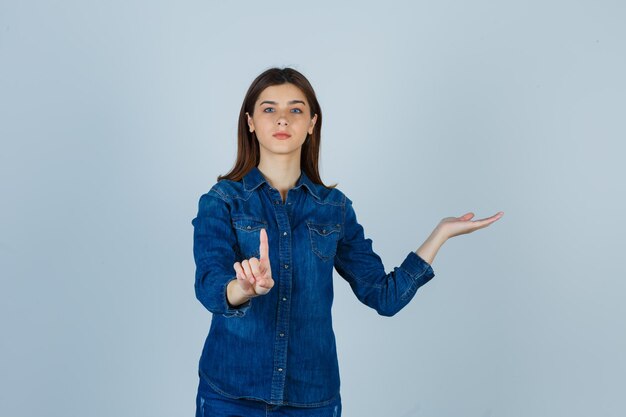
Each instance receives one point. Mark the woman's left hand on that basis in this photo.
(450, 227)
(454, 226)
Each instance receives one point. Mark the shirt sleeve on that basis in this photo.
(214, 243)
(358, 264)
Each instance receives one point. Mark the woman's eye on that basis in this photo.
(265, 110)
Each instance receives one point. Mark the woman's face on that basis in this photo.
(281, 109)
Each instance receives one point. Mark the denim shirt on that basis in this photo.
(280, 347)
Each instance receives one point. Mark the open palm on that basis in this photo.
(454, 226)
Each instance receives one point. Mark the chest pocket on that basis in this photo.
(324, 238)
(248, 232)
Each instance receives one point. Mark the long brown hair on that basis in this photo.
(248, 153)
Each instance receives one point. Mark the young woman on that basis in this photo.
(267, 238)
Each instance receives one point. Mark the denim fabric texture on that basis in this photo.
(212, 404)
(280, 347)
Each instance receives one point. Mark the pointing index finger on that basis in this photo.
(263, 246)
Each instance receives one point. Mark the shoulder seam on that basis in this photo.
(219, 193)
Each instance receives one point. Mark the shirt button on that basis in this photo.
(282, 335)
(284, 233)
(280, 369)
(324, 231)
(248, 227)
(284, 298)
(286, 266)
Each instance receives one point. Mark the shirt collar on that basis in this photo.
(255, 177)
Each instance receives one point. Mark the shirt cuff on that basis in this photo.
(417, 268)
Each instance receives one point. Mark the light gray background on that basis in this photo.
(116, 116)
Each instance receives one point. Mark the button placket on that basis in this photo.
(284, 281)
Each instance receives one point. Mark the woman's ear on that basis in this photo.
(313, 120)
(250, 122)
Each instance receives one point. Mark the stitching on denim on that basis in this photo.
(244, 198)
(414, 275)
(414, 283)
(323, 226)
(292, 404)
(314, 228)
(328, 202)
(234, 194)
(236, 221)
(239, 223)
(318, 404)
(227, 195)
(220, 194)
(408, 291)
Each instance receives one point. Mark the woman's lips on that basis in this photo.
(282, 135)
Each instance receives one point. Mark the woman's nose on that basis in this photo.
(282, 119)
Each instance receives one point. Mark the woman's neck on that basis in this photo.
(281, 174)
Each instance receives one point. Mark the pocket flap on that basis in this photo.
(249, 224)
(324, 229)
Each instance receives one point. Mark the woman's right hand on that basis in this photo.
(254, 276)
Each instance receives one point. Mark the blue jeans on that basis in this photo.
(212, 404)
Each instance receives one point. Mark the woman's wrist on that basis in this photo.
(428, 250)
(235, 295)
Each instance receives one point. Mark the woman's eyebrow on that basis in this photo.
(290, 102)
